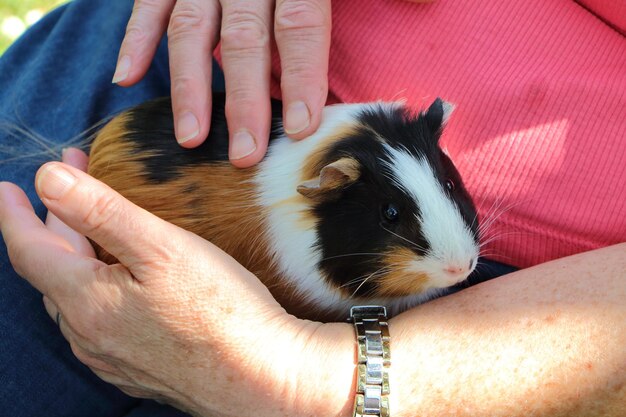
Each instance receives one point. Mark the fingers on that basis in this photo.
(88, 358)
(192, 36)
(77, 159)
(131, 234)
(192, 27)
(45, 259)
(144, 30)
(246, 35)
(303, 37)
(302, 29)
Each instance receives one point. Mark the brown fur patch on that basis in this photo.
(306, 218)
(315, 162)
(400, 280)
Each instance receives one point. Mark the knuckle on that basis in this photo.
(244, 30)
(81, 354)
(135, 34)
(145, 14)
(182, 84)
(17, 256)
(299, 68)
(97, 319)
(90, 329)
(134, 392)
(100, 213)
(301, 15)
(84, 328)
(187, 20)
(239, 101)
(149, 4)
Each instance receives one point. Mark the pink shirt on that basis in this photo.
(539, 131)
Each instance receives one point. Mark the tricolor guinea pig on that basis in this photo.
(366, 210)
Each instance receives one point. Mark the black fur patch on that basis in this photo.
(150, 128)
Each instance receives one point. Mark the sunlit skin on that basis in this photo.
(548, 340)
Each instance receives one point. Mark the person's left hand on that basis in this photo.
(177, 319)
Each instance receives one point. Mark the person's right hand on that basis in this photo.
(177, 319)
(245, 28)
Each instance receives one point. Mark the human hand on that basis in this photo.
(177, 319)
(302, 33)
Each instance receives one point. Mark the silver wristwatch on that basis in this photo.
(372, 332)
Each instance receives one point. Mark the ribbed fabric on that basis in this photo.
(613, 12)
(539, 132)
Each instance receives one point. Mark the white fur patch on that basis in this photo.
(277, 181)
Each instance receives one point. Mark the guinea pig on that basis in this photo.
(368, 210)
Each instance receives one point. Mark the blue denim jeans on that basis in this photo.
(55, 84)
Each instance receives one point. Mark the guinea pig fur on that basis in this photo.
(368, 210)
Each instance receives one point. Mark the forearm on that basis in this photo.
(545, 341)
(549, 340)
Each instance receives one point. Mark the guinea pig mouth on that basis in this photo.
(452, 273)
(404, 274)
(407, 273)
(401, 282)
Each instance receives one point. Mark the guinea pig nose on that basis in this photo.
(454, 269)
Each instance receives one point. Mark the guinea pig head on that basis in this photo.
(393, 216)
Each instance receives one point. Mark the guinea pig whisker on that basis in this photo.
(349, 254)
(359, 278)
(43, 147)
(353, 281)
(487, 268)
(497, 237)
(360, 285)
(498, 255)
(497, 203)
(493, 214)
(415, 245)
(489, 217)
(475, 219)
(366, 279)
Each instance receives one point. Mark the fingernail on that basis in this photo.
(243, 144)
(297, 118)
(187, 127)
(54, 180)
(122, 69)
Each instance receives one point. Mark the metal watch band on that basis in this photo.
(372, 333)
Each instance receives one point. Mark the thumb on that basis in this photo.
(131, 234)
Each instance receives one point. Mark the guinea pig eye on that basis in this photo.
(390, 212)
(450, 185)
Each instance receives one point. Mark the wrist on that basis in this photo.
(323, 372)
(283, 367)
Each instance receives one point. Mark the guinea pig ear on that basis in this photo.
(333, 177)
(438, 113)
